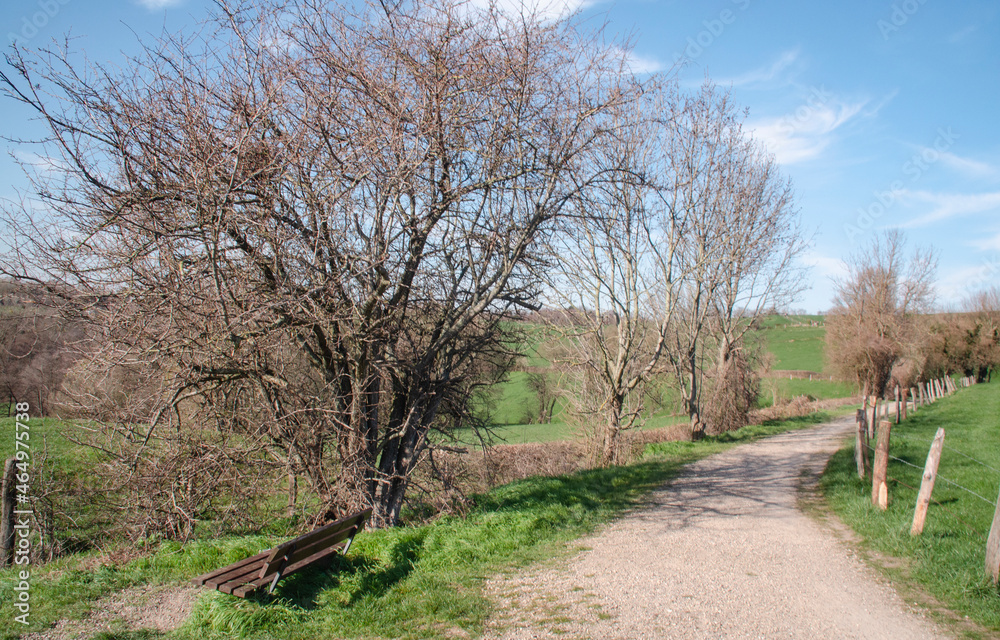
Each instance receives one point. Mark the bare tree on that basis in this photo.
(310, 227)
(617, 273)
(875, 321)
(546, 397)
(740, 249)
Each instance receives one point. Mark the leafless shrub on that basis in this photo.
(876, 322)
(733, 392)
(796, 407)
(967, 343)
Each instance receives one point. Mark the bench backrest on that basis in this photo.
(315, 541)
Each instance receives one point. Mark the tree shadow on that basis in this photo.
(367, 577)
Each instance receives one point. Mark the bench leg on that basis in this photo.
(274, 583)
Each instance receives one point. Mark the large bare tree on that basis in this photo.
(308, 223)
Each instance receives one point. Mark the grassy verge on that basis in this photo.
(947, 561)
(408, 582)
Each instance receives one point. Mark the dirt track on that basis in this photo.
(721, 552)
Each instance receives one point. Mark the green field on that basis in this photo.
(786, 389)
(797, 348)
(793, 344)
(947, 560)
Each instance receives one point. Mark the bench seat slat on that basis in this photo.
(239, 576)
(259, 558)
(307, 539)
(252, 585)
(304, 552)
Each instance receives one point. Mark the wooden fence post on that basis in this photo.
(874, 420)
(993, 546)
(897, 404)
(927, 483)
(868, 423)
(880, 488)
(861, 443)
(7, 520)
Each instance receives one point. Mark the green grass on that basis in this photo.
(786, 320)
(408, 582)
(947, 560)
(799, 348)
(786, 389)
(67, 469)
(514, 400)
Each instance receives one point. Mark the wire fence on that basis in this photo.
(977, 531)
(938, 475)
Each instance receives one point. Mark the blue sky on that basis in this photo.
(884, 114)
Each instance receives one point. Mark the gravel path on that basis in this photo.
(721, 552)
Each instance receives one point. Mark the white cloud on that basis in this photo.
(825, 266)
(806, 132)
(948, 205)
(40, 163)
(765, 73)
(958, 283)
(642, 64)
(987, 243)
(962, 35)
(156, 5)
(545, 9)
(966, 166)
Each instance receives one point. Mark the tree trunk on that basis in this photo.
(612, 433)
(694, 409)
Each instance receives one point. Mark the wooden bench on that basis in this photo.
(269, 566)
